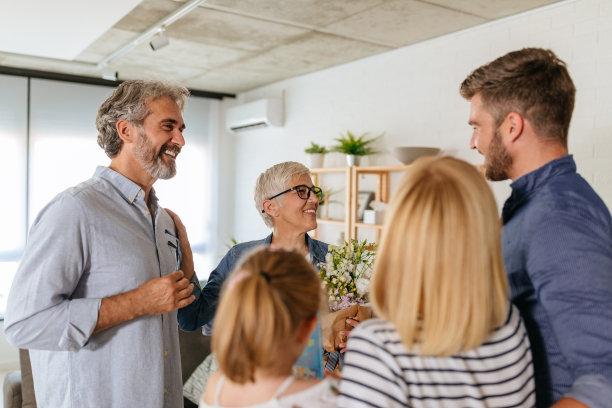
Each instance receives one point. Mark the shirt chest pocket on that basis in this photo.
(170, 253)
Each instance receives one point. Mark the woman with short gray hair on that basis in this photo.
(287, 200)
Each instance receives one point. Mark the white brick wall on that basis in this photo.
(412, 95)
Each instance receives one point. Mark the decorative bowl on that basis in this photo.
(408, 154)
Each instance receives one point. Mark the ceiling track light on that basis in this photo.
(159, 41)
(155, 30)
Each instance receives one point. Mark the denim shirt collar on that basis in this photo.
(126, 187)
(317, 249)
(525, 186)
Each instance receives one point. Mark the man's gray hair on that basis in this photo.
(273, 181)
(129, 101)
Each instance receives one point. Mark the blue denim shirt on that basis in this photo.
(202, 311)
(557, 244)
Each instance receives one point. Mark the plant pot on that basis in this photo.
(315, 160)
(352, 160)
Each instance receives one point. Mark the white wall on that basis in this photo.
(412, 95)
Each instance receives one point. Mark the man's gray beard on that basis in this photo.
(152, 163)
(160, 170)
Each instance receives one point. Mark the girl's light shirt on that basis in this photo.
(321, 395)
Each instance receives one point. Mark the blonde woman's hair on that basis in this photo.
(273, 181)
(439, 275)
(265, 300)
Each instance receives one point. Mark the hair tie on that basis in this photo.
(266, 276)
(235, 278)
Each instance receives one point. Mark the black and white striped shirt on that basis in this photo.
(380, 372)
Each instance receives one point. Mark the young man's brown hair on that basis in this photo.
(533, 82)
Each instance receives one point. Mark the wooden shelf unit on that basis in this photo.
(316, 172)
(350, 222)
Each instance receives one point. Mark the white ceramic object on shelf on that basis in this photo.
(408, 154)
(352, 160)
(315, 160)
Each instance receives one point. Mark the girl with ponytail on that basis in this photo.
(266, 314)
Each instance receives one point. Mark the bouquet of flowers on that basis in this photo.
(346, 273)
(345, 276)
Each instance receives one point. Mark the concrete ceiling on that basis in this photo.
(232, 46)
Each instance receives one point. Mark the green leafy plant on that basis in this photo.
(315, 148)
(231, 243)
(356, 145)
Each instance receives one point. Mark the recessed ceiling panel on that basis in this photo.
(57, 29)
(492, 9)
(313, 12)
(404, 22)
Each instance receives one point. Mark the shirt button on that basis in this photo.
(165, 390)
(130, 198)
(146, 212)
(139, 193)
(165, 353)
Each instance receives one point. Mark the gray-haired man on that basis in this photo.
(96, 294)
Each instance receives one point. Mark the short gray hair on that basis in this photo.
(129, 101)
(273, 181)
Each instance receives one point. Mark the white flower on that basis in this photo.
(362, 285)
(346, 267)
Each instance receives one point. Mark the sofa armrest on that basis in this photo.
(194, 348)
(12, 390)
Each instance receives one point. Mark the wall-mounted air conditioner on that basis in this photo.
(257, 114)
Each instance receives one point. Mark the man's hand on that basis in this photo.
(157, 296)
(165, 294)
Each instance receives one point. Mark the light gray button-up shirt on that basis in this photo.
(93, 241)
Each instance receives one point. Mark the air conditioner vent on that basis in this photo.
(255, 115)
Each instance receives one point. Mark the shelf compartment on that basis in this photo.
(374, 226)
(331, 221)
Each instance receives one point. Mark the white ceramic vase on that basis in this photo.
(352, 160)
(315, 160)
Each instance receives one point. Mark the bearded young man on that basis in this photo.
(96, 294)
(557, 234)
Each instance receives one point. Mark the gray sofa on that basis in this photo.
(18, 387)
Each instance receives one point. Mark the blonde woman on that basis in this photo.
(446, 335)
(267, 311)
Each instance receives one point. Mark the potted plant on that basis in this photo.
(355, 146)
(316, 154)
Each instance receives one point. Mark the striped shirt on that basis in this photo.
(380, 372)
